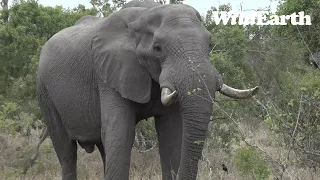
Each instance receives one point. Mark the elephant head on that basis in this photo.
(167, 44)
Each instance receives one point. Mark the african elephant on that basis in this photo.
(97, 79)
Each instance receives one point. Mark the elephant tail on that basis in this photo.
(30, 161)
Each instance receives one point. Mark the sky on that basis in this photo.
(201, 5)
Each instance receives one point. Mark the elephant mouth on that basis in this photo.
(168, 96)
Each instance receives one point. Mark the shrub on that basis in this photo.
(249, 163)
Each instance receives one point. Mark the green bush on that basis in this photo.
(146, 136)
(250, 164)
(223, 133)
(13, 120)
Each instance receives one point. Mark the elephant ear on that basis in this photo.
(115, 60)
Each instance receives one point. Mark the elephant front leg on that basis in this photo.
(169, 130)
(118, 130)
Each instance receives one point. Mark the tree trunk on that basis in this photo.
(4, 4)
(4, 8)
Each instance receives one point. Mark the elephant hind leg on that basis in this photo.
(65, 148)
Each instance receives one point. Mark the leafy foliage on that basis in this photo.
(170, 1)
(309, 35)
(250, 164)
(272, 57)
(13, 120)
(146, 137)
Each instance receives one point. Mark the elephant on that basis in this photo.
(144, 3)
(98, 78)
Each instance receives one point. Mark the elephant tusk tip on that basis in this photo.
(255, 90)
(174, 93)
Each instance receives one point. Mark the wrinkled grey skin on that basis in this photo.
(137, 3)
(100, 77)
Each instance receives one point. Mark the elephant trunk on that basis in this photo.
(193, 82)
(195, 126)
(195, 94)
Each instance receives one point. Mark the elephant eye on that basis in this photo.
(157, 48)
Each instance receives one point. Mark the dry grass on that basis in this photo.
(14, 150)
(144, 166)
(275, 152)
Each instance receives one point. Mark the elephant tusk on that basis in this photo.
(237, 93)
(167, 96)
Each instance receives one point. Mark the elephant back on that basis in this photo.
(146, 4)
(87, 20)
(67, 48)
